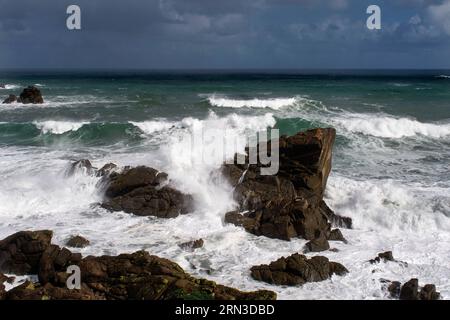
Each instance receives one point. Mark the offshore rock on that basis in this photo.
(289, 204)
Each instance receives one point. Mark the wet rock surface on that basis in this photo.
(144, 191)
(289, 204)
(192, 245)
(133, 276)
(297, 269)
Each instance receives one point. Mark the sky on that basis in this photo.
(225, 34)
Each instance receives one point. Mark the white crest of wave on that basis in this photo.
(443, 76)
(272, 103)
(58, 127)
(149, 127)
(390, 127)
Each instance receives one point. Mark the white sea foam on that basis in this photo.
(58, 127)
(272, 103)
(150, 127)
(10, 87)
(443, 76)
(386, 126)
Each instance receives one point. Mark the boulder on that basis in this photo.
(77, 242)
(317, 245)
(32, 95)
(136, 276)
(428, 292)
(144, 191)
(288, 204)
(410, 290)
(11, 98)
(106, 170)
(297, 270)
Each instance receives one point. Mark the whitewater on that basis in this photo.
(390, 175)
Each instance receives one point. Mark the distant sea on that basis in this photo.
(391, 166)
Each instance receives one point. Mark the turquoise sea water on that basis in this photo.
(391, 169)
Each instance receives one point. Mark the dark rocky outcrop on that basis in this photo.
(32, 95)
(144, 191)
(77, 242)
(11, 99)
(317, 245)
(297, 270)
(29, 95)
(83, 165)
(106, 170)
(410, 290)
(289, 204)
(192, 245)
(127, 276)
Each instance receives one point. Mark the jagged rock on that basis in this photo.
(192, 245)
(135, 276)
(11, 98)
(21, 252)
(297, 270)
(83, 165)
(143, 191)
(336, 235)
(383, 256)
(77, 242)
(289, 204)
(317, 245)
(32, 95)
(106, 170)
(335, 219)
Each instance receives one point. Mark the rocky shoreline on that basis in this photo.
(285, 206)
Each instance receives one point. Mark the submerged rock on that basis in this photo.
(144, 191)
(289, 204)
(192, 245)
(383, 256)
(83, 165)
(297, 270)
(11, 99)
(136, 276)
(77, 242)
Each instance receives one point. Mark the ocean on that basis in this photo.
(391, 166)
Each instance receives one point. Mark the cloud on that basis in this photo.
(440, 14)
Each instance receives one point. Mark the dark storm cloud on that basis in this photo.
(224, 34)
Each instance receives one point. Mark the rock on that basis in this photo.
(317, 245)
(384, 256)
(11, 98)
(136, 276)
(289, 204)
(335, 220)
(192, 245)
(336, 235)
(428, 292)
(21, 252)
(83, 165)
(77, 242)
(394, 289)
(106, 170)
(143, 191)
(2, 86)
(32, 95)
(297, 270)
(410, 290)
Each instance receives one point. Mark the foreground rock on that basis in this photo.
(128, 276)
(410, 290)
(297, 270)
(289, 204)
(144, 192)
(29, 95)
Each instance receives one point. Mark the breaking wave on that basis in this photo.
(272, 103)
